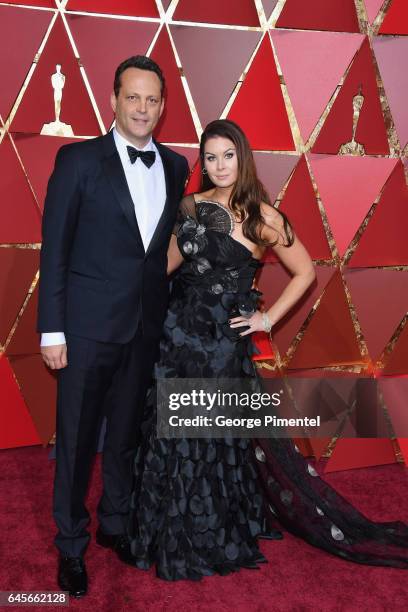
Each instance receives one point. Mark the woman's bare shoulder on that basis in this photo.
(270, 213)
(273, 227)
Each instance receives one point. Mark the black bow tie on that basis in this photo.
(147, 157)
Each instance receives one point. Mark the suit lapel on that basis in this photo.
(169, 178)
(116, 176)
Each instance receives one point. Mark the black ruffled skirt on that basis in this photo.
(199, 505)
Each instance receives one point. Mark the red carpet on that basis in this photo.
(298, 577)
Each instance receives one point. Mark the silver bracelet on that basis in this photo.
(266, 322)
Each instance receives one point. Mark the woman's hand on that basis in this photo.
(255, 322)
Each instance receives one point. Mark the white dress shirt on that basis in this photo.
(147, 188)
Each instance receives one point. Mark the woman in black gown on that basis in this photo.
(199, 505)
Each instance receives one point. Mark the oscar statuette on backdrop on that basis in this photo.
(57, 127)
(353, 147)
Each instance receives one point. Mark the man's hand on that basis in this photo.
(55, 356)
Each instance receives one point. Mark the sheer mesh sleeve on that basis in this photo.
(186, 209)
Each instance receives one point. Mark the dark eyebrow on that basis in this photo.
(230, 149)
(134, 93)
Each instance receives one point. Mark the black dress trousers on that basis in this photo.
(101, 379)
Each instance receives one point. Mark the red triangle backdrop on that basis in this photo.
(336, 15)
(378, 315)
(313, 64)
(140, 8)
(176, 123)
(39, 3)
(397, 361)
(20, 215)
(76, 107)
(371, 132)
(16, 425)
(346, 207)
(274, 171)
(384, 242)
(17, 270)
(212, 11)
(272, 281)
(38, 155)
(300, 205)
(373, 8)
(18, 46)
(330, 338)
(268, 127)
(396, 19)
(352, 453)
(212, 76)
(39, 390)
(25, 340)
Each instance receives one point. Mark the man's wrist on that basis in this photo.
(52, 339)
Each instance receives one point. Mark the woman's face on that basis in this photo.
(221, 161)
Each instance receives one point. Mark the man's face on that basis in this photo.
(138, 106)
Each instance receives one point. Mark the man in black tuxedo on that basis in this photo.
(110, 208)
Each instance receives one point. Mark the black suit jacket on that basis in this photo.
(96, 280)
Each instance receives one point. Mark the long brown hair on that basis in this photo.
(248, 191)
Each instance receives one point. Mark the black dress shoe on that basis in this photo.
(118, 543)
(271, 534)
(72, 576)
(249, 565)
